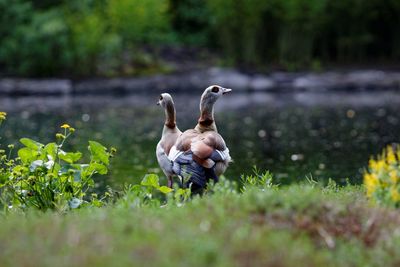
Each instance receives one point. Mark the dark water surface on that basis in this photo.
(293, 135)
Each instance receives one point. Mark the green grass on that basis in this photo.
(297, 225)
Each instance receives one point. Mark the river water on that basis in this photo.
(294, 135)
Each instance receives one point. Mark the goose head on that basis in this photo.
(211, 95)
(208, 98)
(164, 100)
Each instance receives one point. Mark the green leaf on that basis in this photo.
(80, 166)
(98, 167)
(99, 152)
(181, 192)
(51, 149)
(165, 189)
(56, 168)
(27, 155)
(31, 143)
(136, 188)
(150, 180)
(70, 157)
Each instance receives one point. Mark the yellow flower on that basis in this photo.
(381, 165)
(65, 126)
(393, 176)
(377, 166)
(2, 115)
(391, 157)
(394, 194)
(371, 183)
(372, 164)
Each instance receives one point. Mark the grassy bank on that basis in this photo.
(297, 225)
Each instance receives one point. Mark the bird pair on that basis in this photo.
(196, 155)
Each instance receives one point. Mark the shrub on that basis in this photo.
(382, 179)
(33, 43)
(191, 20)
(93, 44)
(139, 21)
(237, 25)
(47, 177)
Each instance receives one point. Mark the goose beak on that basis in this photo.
(226, 90)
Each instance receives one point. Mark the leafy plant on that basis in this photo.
(223, 187)
(382, 178)
(257, 180)
(46, 177)
(150, 193)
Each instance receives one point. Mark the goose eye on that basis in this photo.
(215, 89)
(161, 98)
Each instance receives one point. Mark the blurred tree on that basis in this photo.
(108, 37)
(45, 4)
(34, 42)
(139, 21)
(13, 16)
(191, 20)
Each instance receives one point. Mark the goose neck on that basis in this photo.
(170, 117)
(206, 121)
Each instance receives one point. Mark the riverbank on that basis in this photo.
(297, 225)
(197, 80)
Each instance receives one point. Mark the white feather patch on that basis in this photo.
(224, 154)
(174, 153)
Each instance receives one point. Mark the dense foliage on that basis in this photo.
(46, 177)
(110, 37)
(79, 37)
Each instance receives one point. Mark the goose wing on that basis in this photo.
(182, 144)
(163, 161)
(163, 149)
(209, 148)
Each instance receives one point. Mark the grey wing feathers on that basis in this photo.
(163, 161)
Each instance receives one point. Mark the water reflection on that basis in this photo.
(293, 135)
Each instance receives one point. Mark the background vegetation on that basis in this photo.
(125, 37)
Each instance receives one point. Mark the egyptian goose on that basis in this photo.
(202, 151)
(170, 134)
